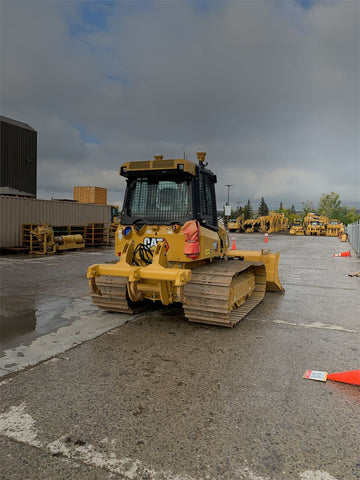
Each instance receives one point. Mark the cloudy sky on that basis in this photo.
(269, 89)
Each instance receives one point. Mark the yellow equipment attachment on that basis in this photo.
(249, 226)
(270, 260)
(43, 240)
(69, 242)
(171, 248)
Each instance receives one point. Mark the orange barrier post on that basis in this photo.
(266, 238)
(233, 247)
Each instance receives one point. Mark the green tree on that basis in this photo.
(350, 217)
(307, 208)
(248, 211)
(290, 215)
(330, 206)
(239, 211)
(263, 209)
(292, 210)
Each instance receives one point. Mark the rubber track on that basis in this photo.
(207, 293)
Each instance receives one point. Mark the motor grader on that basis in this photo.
(172, 248)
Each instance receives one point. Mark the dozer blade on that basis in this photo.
(223, 292)
(270, 260)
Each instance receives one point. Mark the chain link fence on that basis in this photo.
(353, 231)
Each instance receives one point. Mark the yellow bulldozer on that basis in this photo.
(315, 224)
(171, 248)
(334, 228)
(312, 224)
(297, 228)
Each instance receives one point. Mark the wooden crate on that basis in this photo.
(91, 195)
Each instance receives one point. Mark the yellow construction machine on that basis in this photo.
(236, 225)
(312, 224)
(297, 228)
(249, 225)
(323, 222)
(334, 228)
(172, 248)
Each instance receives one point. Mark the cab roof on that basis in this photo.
(158, 164)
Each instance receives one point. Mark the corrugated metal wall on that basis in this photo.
(18, 165)
(14, 212)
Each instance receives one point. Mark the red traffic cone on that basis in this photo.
(266, 238)
(233, 247)
(352, 377)
(343, 254)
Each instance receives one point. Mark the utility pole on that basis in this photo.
(228, 186)
(228, 203)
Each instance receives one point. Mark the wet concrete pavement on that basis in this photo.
(155, 397)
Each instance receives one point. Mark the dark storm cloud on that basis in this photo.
(269, 89)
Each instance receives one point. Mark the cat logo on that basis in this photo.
(153, 241)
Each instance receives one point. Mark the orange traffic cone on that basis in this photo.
(233, 247)
(352, 377)
(266, 238)
(343, 254)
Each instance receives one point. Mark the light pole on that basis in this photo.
(228, 202)
(228, 186)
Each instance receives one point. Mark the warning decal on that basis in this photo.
(315, 375)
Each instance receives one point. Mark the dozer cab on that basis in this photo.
(172, 248)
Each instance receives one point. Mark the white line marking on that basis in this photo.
(15, 423)
(323, 326)
(316, 475)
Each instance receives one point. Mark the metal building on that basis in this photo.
(16, 211)
(18, 158)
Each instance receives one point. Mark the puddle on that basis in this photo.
(24, 318)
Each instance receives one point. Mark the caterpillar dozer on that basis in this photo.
(297, 228)
(334, 228)
(172, 248)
